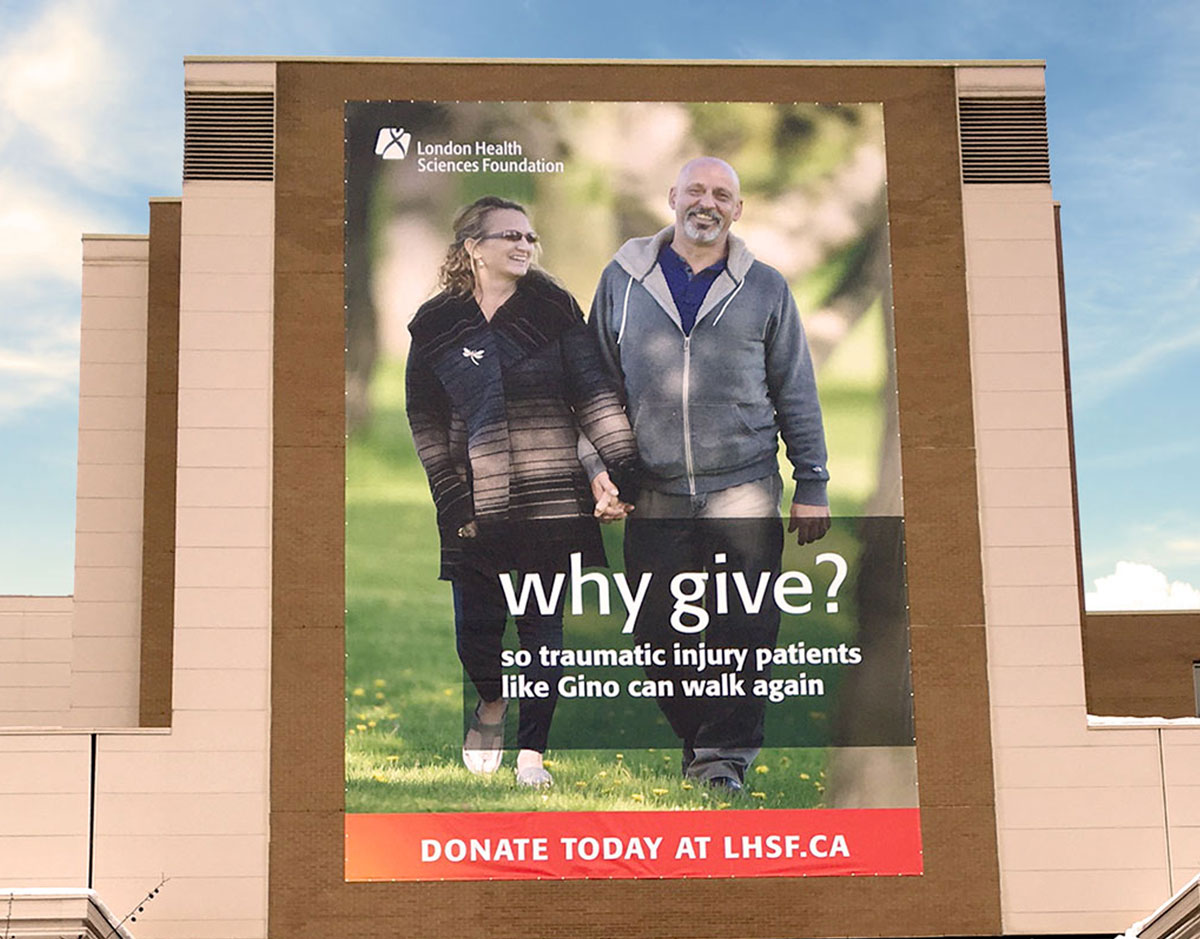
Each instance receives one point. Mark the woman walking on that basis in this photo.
(503, 378)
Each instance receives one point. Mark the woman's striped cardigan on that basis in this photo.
(496, 410)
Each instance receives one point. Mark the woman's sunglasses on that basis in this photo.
(512, 235)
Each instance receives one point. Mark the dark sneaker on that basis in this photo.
(688, 756)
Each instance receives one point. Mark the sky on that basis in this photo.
(91, 126)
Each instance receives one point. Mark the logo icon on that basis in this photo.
(473, 354)
(392, 143)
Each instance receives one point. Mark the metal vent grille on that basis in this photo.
(228, 135)
(1004, 140)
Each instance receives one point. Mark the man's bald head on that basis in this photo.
(707, 199)
(709, 163)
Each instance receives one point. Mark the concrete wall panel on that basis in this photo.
(112, 395)
(35, 661)
(217, 330)
(43, 810)
(192, 802)
(1083, 840)
(1080, 806)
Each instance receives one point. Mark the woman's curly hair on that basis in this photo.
(457, 275)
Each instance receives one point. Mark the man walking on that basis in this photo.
(708, 346)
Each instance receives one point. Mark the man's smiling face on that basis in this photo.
(707, 200)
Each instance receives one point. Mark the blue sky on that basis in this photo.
(91, 125)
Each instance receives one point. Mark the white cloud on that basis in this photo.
(39, 362)
(66, 118)
(1134, 586)
(17, 399)
(71, 116)
(34, 365)
(41, 231)
(65, 94)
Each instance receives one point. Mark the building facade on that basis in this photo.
(180, 720)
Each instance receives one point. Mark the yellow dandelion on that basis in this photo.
(758, 795)
(762, 768)
(805, 776)
(638, 797)
(379, 696)
(603, 774)
(360, 727)
(724, 805)
(371, 723)
(659, 792)
(392, 715)
(686, 785)
(358, 692)
(379, 777)
(380, 683)
(620, 756)
(447, 691)
(361, 717)
(547, 762)
(393, 758)
(350, 733)
(581, 785)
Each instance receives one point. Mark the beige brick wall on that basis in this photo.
(1084, 842)
(108, 538)
(35, 661)
(1096, 826)
(189, 802)
(193, 804)
(1181, 776)
(44, 809)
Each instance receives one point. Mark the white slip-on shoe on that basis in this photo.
(483, 746)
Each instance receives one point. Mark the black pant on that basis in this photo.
(480, 615)
(721, 735)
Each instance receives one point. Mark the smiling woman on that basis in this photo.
(502, 379)
(500, 256)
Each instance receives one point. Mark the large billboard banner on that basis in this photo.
(625, 576)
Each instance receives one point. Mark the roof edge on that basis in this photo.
(472, 60)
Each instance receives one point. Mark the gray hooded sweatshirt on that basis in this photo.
(707, 408)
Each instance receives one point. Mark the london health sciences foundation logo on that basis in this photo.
(470, 156)
(392, 143)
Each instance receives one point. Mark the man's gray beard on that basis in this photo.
(704, 236)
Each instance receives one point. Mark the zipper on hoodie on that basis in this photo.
(687, 417)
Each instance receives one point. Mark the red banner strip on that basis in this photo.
(578, 845)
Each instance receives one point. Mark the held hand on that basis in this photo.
(469, 530)
(809, 522)
(618, 511)
(609, 507)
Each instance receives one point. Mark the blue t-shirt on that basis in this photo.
(688, 290)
